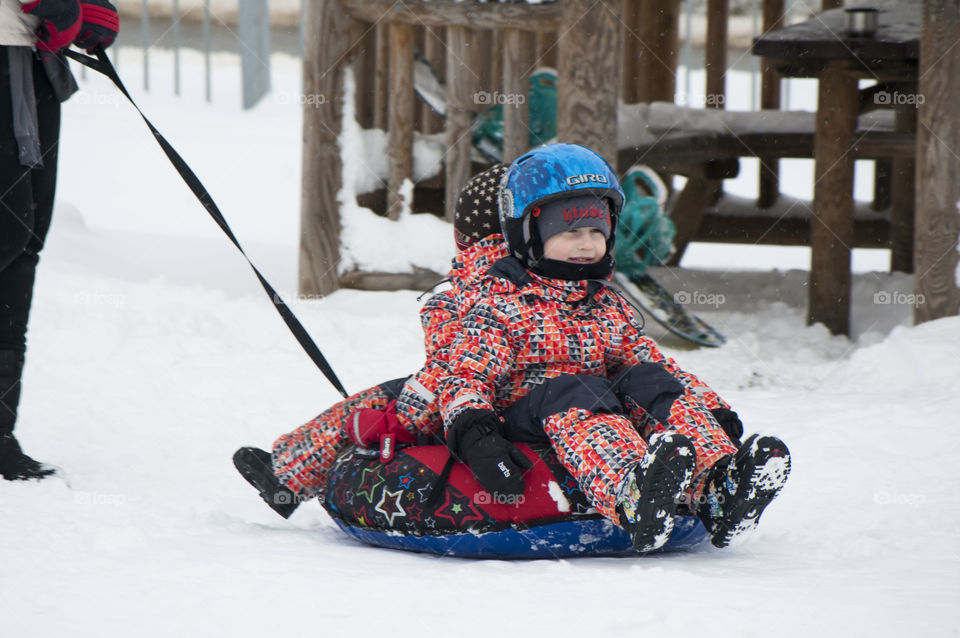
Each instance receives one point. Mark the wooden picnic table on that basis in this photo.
(821, 48)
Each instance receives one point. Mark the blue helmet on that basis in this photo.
(549, 172)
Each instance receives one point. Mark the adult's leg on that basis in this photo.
(26, 207)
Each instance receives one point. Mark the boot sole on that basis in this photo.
(765, 483)
(661, 490)
(252, 469)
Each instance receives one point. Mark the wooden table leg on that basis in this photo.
(903, 192)
(831, 226)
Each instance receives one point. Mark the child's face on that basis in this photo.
(584, 245)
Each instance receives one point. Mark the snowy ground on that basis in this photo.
(153, 356)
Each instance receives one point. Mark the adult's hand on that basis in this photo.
(59, 22)
(99, 26)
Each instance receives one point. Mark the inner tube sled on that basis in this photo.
(405, 504)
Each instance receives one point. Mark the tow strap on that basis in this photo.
(102, 64)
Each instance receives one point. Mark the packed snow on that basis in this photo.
(154, 355)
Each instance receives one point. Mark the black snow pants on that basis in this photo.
(26, 206)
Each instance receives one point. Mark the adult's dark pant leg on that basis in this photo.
(26, 207)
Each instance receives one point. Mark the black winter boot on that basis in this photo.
(14, 464)
(256, 467)
(649, 499)
(737, 493)
(17, 466)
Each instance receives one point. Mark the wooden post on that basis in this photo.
(718, 15)
(588, 75)
(770, 99)
(631, 50)
(330, 37)
(518, 52)
(688, 212)
(655, 74)
(546, 47)
(400, 137)
(902, 192)
(938, 169)
(434, 44)
(882, 170)
(364, 72)
(462, 84)
(381, 95)
(831, 225)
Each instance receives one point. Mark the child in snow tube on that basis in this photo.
(300, 464)
(549, 352)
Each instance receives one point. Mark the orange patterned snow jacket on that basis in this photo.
(526, 329)
(417, 406)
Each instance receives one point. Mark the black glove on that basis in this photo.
(100, 25)
(497, 463)
(730, 423)
(59, 22)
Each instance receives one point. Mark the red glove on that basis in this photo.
(59, 22)
(368, 426)
(100, 25)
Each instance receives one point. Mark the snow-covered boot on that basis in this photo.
(737, 493)
(17, 466)
(649, 498)
(256, 467)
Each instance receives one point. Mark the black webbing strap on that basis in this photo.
(102, 64)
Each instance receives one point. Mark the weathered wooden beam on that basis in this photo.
(419, 279)
(903, 193)
(462, 85)
(400, 126)
(938, 166)
(434, 50)
(831, 229)
(783, 232)
(330, 37)
(688, 211)
(718, 17)
(443, 13)
(679, 150)
(588, 75)
(518, 61)
(631, 49)
(657, 41)
(773, 11)
(381, 79)
(545, 45)
(364, 72)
